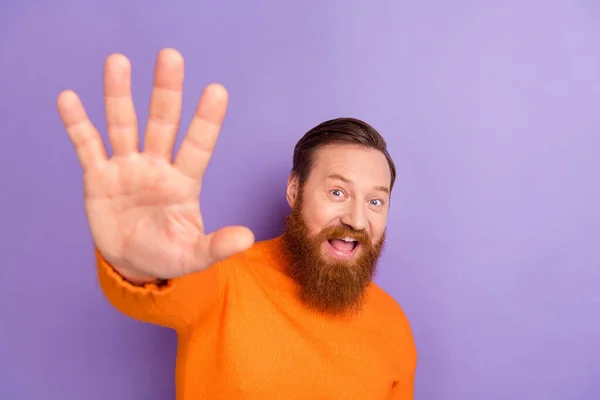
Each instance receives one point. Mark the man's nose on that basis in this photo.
(355, 217)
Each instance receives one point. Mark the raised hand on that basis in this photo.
(143, 206)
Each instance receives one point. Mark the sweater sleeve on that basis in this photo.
(175, 303)
(404, 390)
(407, 352)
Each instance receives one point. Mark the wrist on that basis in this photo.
(134, 277)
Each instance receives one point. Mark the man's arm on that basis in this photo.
(404, 390)
(173, 303)
(142, 202)
(407, 356)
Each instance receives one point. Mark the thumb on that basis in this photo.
(223, 243)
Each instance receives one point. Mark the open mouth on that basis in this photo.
(343, 247)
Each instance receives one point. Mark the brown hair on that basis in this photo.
(337, 131)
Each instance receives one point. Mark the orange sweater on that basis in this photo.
(242, 334)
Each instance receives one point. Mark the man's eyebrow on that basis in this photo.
(384, 189)
(339, 177)
(342, 178)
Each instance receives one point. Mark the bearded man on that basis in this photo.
(294, 317)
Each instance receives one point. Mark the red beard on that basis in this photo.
(328, 285)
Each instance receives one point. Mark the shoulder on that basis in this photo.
(398, 339)
(261, 251)
(385, 303)
(255, 260)
(258, 251)
(396, 324)
(387, 309)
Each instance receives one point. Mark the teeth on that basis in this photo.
(349, 239)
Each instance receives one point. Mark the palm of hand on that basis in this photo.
(143, 207)
(140, 200)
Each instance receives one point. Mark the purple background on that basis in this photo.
(491, 110)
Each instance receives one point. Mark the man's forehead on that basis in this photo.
(369, 180)
(349, 163)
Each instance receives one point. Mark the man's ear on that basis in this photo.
(291, 192)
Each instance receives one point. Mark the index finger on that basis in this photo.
(199, 142)
(83, 134)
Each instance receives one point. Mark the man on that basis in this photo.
(294, 317)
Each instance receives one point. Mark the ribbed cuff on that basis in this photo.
(109, 277)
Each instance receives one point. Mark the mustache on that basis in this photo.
(341, 231)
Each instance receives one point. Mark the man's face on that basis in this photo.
(336, 230)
